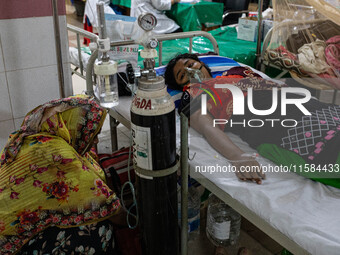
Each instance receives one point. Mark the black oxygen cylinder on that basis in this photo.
(154, 148)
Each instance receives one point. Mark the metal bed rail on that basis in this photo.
(183, 35)
(160, 38)
(80, 32)
(93, 38)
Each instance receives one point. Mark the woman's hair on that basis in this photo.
(169, 72)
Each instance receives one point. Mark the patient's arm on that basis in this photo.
(222, 143)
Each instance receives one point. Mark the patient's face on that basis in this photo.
(180, 73)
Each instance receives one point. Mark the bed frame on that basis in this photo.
(116, 118)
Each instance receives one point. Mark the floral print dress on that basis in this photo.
(50, 185)
(96, 238)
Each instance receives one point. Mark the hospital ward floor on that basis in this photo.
(251, 237)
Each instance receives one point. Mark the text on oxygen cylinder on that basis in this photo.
(142, 103)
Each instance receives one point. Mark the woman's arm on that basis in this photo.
(223, 144)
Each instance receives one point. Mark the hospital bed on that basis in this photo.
(299, 214)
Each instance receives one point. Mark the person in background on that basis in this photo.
(53, 195)
(164, 25)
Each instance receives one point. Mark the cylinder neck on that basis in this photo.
(148, 84)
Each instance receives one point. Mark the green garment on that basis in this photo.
(126, 3)
(191, 16)
(283, 157)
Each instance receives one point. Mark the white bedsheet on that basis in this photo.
(305, 211)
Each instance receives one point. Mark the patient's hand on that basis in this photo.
(248, 169)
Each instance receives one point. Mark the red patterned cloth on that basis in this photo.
(332, 52)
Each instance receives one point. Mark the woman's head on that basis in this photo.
(79, 125)
(176, 76)
(77, 120)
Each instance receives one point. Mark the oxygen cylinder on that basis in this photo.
(154, 148)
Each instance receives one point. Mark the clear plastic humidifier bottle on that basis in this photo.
(107, 83)
(223, 223)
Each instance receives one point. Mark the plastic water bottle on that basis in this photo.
(223, 223)
(194, 203)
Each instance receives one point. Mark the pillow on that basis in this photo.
(176, 96)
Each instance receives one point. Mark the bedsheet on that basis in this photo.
(307, 212)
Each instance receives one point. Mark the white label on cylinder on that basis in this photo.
(142, 150)
(221, 230)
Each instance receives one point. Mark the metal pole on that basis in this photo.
(102, 29)
(190, 45)
(79, 56)
(113, 127)
(89, 72)
(101, 21)
(160, 50)
(184, 186)
(259, 36)
(58, 48)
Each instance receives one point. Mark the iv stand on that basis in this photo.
(58, 48)
(259, 36)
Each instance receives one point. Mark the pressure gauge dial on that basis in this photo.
(147, 21)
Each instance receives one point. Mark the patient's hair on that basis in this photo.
(169, 72)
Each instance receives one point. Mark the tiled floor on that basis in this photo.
(250, 236)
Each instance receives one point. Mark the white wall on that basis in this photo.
(28, 68)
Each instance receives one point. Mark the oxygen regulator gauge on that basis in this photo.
(147, 21)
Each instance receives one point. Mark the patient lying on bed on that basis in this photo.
(291, 138)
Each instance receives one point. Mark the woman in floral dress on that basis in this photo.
(53, 196)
